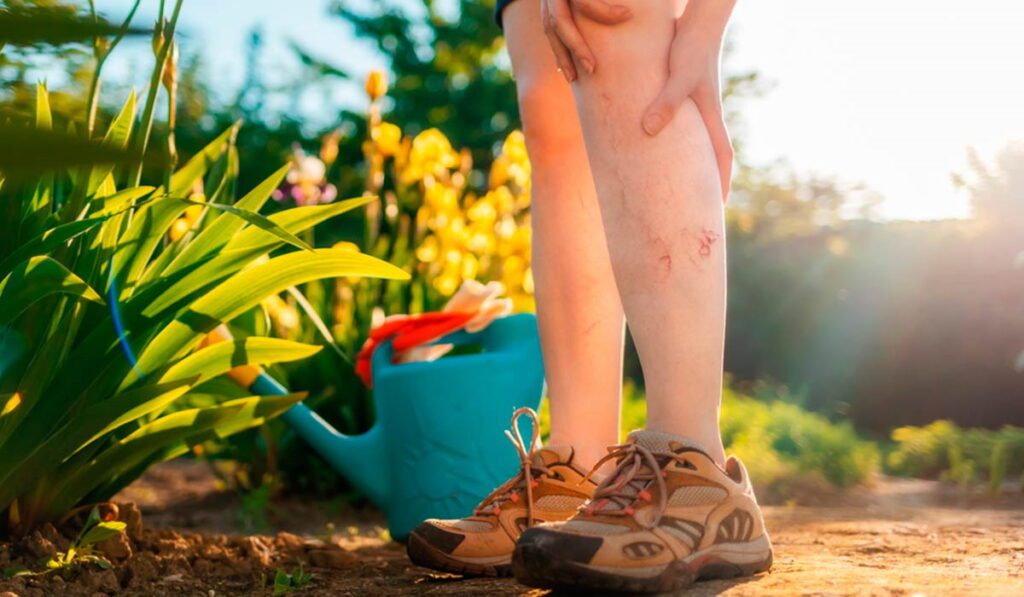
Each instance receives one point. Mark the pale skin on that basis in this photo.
(628, 207)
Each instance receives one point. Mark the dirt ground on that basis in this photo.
(898, 538)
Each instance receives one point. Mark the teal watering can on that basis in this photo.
(436, 448)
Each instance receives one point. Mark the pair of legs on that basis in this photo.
(626, 227)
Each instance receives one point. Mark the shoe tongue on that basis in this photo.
(549, 455)
(659, 441)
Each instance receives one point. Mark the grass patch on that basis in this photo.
(942, 450)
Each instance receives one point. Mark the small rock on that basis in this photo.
(117, 547)
(172, 544)
(214, 553)
(240, 567)
(332, 558)
(99, 581)
(8, 594)
(254, 547)
(50, 532)
(177, 566)
(131, 516)
(141, 569)
(40, 546)
(289, 542)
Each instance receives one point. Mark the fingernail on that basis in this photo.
(653, 123)
(588, 65)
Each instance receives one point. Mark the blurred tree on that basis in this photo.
(21, 67)
(447, 68)
(996, 192)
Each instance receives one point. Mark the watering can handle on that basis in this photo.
(359, 457)
(500, 333)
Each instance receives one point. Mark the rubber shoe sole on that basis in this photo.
(426, 555)
(534, 567)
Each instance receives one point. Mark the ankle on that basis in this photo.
(709, 441)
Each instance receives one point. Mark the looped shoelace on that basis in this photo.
(636, 466)
(509, 491)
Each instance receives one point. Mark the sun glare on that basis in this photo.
(890, 94)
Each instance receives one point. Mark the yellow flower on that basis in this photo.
(329, 147)
(503, 200)
(470, 266)
(440, 198)
(482, 211)
(387, 137)
(516, 161)
(192, 213)
(376, 85)
(515, 147)
(528, 281)
(427, 251)
(499, 171)
(446, 284)
(12, 403)
(347, 246)
(179, 229)
(284, 316)
(431, 154)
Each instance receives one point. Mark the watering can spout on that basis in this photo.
(360, 457)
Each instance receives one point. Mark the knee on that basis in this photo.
(548, 113)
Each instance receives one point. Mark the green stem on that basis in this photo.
(101, 58)
(154, 89)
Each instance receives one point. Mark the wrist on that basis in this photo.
(706, 20)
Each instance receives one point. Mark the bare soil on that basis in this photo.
(899, 537)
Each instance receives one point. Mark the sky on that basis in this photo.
(887, 93)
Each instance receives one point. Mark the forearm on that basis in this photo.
(708, 18)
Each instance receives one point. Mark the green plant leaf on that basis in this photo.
(217, 359)
(101, 532)
(318, 323)
(44, 118)
(136, 245)
(117, 136)
(35, 279)
(241, 250)
(113, 204)
(224, 228)
(245, 289)
(261, 222)
(166, 436)
(195, 168)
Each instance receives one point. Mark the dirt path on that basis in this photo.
(899, 538)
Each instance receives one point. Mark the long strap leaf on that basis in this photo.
(247, 288)
(36, 279)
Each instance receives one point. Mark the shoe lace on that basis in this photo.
(636, 467)
(529, 467)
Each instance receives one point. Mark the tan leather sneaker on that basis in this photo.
(548, 487)
(667, 516)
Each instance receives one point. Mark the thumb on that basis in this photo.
(664, 107)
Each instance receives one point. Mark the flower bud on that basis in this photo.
(376, 85)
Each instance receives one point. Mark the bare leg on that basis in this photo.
(578, 307)
(662, 205)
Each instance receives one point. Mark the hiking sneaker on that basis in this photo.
(549, 487)
(667, 516)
